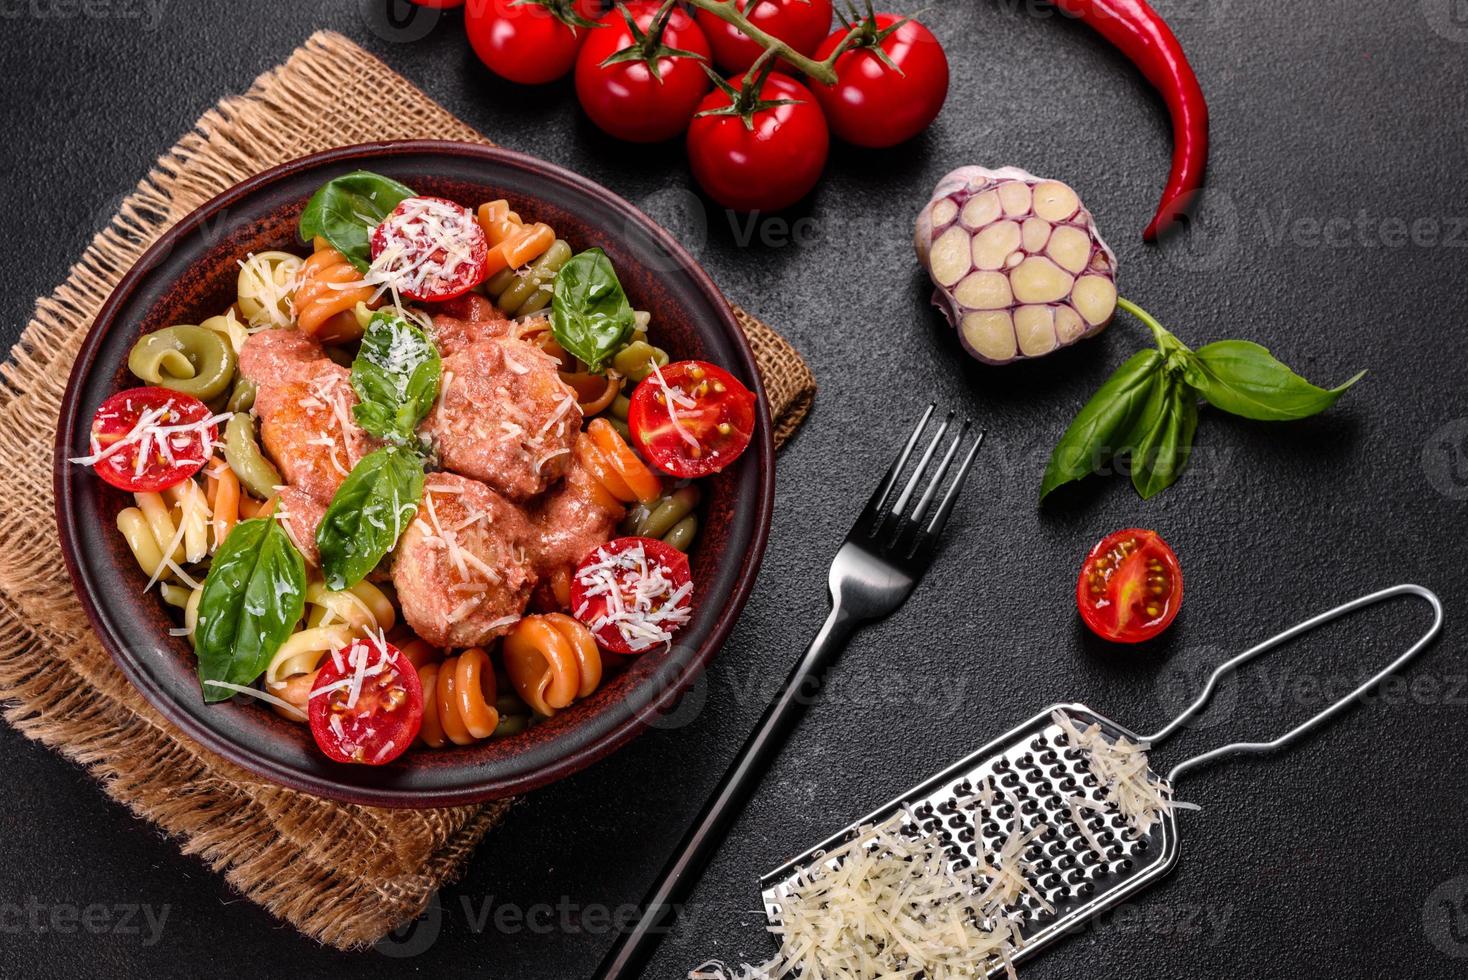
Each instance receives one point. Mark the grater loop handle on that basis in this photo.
(1239, 748)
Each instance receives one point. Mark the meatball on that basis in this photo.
(461, 570)
(305, 404)
(300, 514)
(574, 518)
(504, 416)
(466, 320)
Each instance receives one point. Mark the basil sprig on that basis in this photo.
(1148, 409)
(369, 511)
(346, 209)
(396, 377)
(590, 315)
(253, 596)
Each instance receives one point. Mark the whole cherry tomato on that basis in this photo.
(648, 92)
(882, 99)
(529, 41)
(802, 24)
(758, 146)
(1131, 586)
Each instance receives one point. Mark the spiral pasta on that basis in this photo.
(333, 620)
(512, 243)
(266, 286)
(519, 293)
(327, 295)
(612, 463)
(551, 660)
(184, 358)
(229, 326)
(670, 519)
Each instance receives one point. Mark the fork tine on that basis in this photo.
(871, 516)
(935, 527)
(922, 465)
(937, 480)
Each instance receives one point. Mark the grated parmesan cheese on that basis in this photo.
(1124, 776)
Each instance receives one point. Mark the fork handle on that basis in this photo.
(672, 887)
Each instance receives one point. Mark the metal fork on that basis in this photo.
(884, 555)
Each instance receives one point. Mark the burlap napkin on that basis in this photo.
(376, 868)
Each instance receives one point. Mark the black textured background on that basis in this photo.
(1335, 233)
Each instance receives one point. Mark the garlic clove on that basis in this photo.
(1069, 327)
(1034, 327)
(1038, 280)
(1015, 196)
(1094, 298)
(993, 245)
(1054, 201)
(1034, 233)
(984, 291)
(1070, 247)
(981, 210)
(990, 335)
(949, 258)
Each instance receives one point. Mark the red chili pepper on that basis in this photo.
(1140, 33)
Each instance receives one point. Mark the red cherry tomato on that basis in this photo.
(367, 704)
(1131, 586)
(624, 98)
(767, 167)
(529, 41)
(691, 418)
(873, 105)
(438, 246)
(150, 438)
(633, 594)
(802, 24)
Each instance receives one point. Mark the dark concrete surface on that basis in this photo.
(1335, 232)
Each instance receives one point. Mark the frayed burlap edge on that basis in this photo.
(376, 868)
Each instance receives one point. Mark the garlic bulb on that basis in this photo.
(1016, 262)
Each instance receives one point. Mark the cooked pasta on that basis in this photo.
(293, 669)
(461, 704)
(229, 326)
(266, 286)
(551, 660)
(670, 519)
(614, 465)
(363, 608)
(185, 358)
(241, 450)
(326, 298)
(522, 292)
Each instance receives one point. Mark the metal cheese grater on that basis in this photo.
(1038, 771)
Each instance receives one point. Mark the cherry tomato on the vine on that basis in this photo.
(881, 100)
(802, 24)
(529, 41)
(651, 87)
(1131, 586)
(758, 148)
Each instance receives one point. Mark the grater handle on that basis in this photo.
(1251, 748)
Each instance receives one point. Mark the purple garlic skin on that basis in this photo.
(1016, 262)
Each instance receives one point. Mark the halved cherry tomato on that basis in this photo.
(367, 703)
(691, 418)
(150, 438)
(802, 24)
(1131, 586)
(633, 594)
(435, 245)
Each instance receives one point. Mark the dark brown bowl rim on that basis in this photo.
(651, 704)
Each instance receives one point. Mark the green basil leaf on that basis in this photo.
(1096, 433)
(1244, 379)
(346, 209)
(368, 513)
(1162, 452)
(253, 596)
(590, 315)
(396, 376)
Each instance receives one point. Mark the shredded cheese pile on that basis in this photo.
(1124, 776)
(885, 905)
(641, 601)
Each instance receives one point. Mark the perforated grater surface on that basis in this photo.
(1039, 772)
